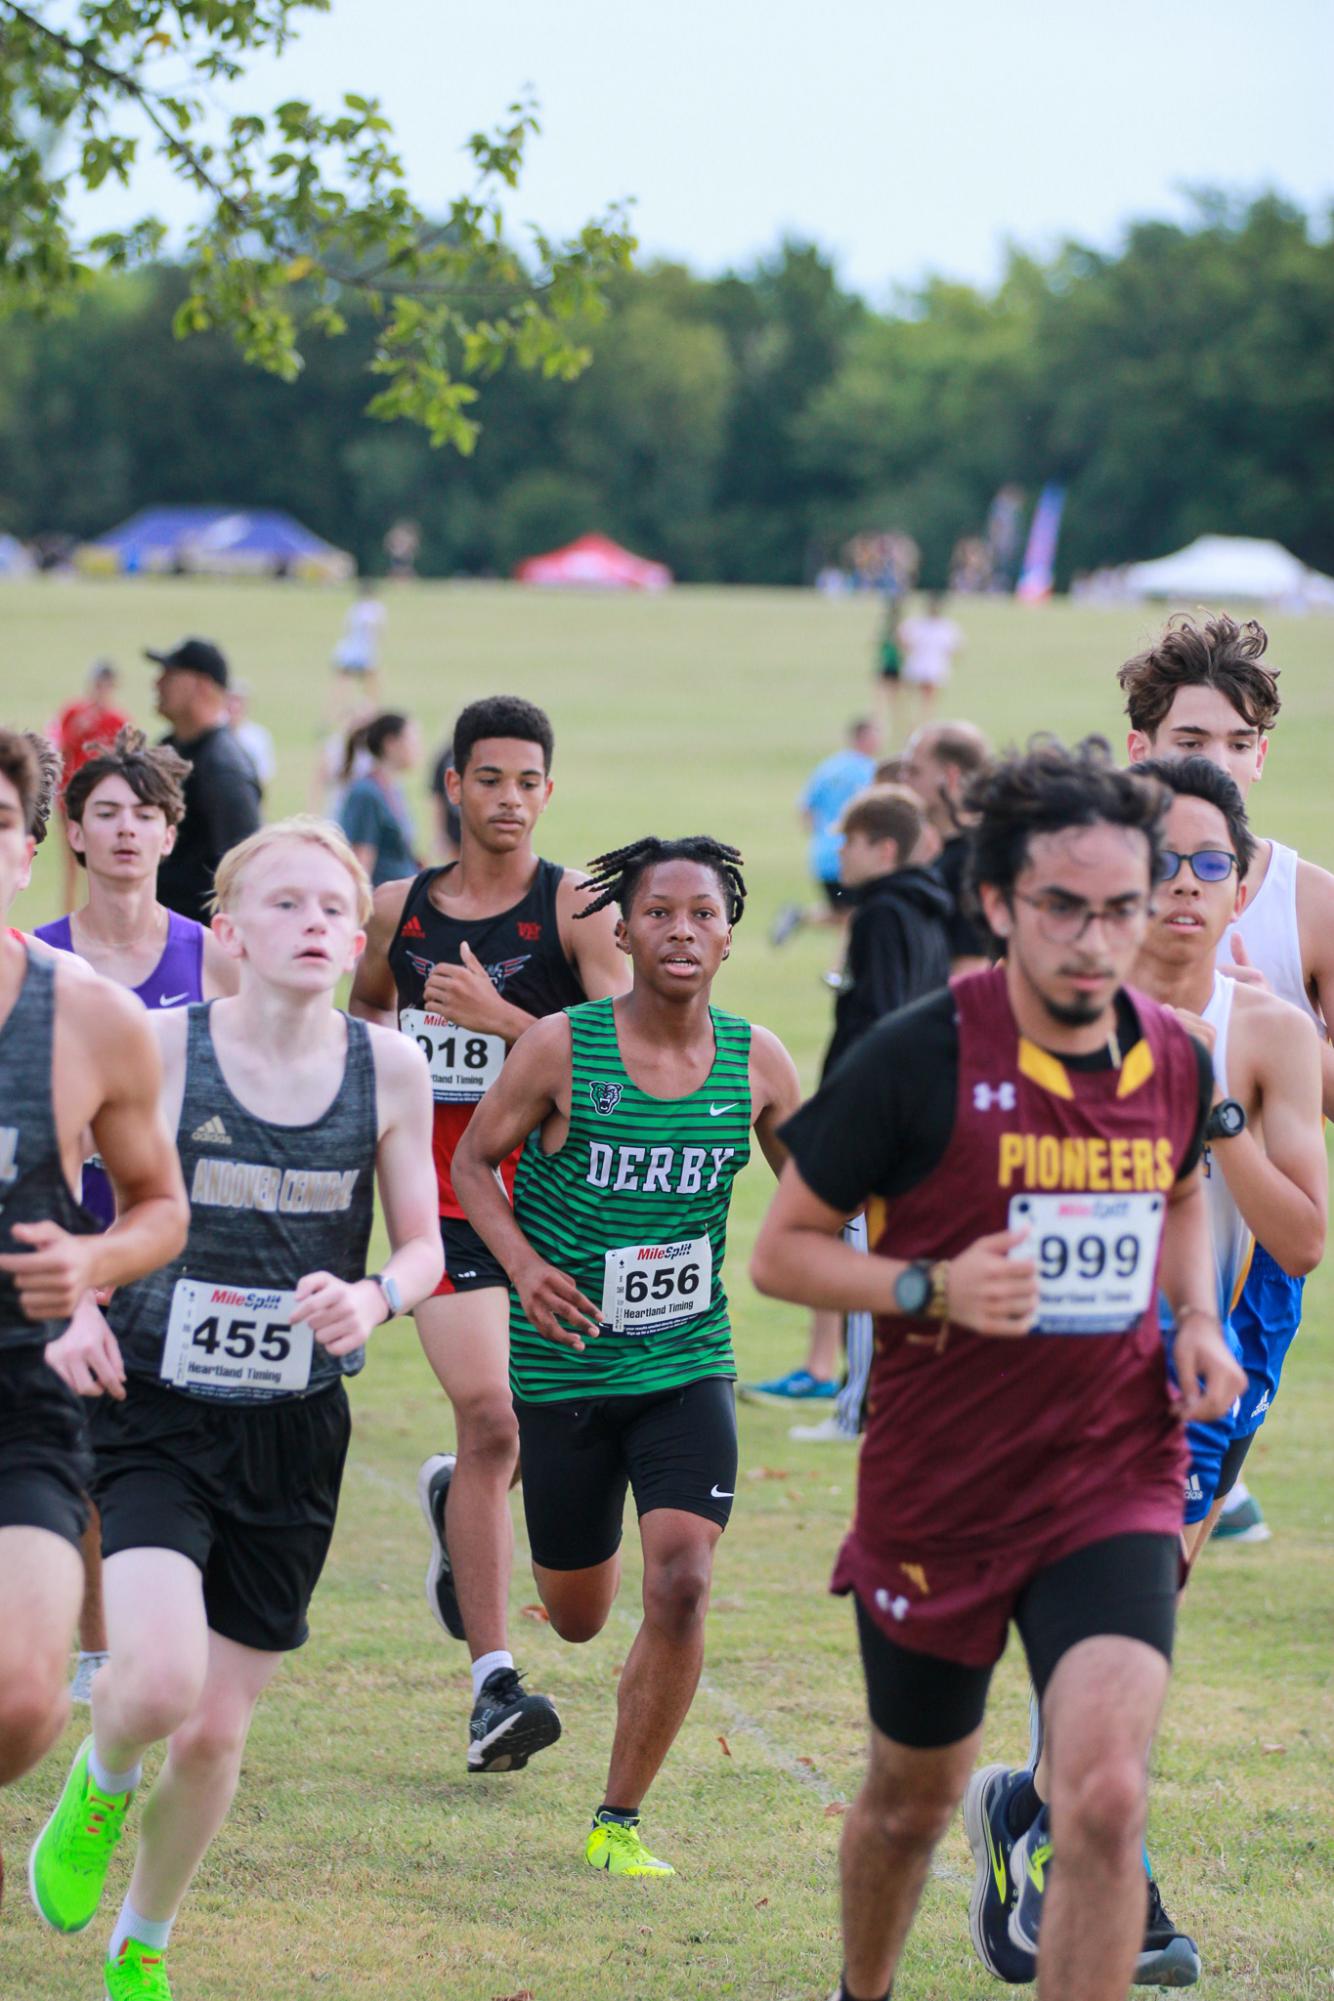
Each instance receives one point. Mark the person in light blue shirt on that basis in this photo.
(832, 785)
(374, 812)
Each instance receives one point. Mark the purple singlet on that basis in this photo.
(177, 978)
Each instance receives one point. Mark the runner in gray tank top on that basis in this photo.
(74, 1053)
(218, 1477)
(636, 1114)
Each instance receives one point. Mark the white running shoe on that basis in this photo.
(827, 1432)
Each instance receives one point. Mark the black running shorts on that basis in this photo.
(1126, 1586)
(674, 1448)
(247, 1492)
(469, 1265)
(44, 1462)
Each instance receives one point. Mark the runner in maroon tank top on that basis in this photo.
(465, 958)
(1027, 1144)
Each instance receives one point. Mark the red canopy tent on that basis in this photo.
(594, 562)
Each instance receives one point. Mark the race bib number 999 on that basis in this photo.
(235, 1338)
(1096, 1257)
(648, 1286)
(464, 1063)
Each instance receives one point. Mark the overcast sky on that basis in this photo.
(903, 136)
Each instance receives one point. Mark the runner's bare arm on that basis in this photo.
(800, 1255)
(1315, 925)
(222, 973)
(374, 995)
(343, 1315)
(1210, 1379)
(533, 1084)
(107, 1075)
(775, 1092)
(1280, 1182)
(604, 969)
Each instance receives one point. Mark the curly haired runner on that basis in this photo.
(1028, 1143)
(637, 1114)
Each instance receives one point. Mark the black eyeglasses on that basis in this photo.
(1209, 864)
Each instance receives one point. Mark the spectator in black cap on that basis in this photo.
(222, 792)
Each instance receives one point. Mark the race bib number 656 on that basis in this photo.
(649, 1286)
(237, 1338)
(1096, 1257)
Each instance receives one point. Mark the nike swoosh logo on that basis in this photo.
(716, 1111)
(997, 1861)
(172, 1000)
(718, 1494)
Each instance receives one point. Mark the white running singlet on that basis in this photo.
(1268, 928)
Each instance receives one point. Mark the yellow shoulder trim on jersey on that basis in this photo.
(1244, 1274)
(877, 1215)
(1044, 1069)
(1136, 1070)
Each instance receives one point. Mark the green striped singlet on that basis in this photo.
(635, 1173)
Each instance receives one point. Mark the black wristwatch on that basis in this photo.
(912, 1289)
(1226, 1120)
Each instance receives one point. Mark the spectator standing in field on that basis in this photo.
(84, 727)
(889, 664)
(445, 824)
(221, 792)
(374, 812)
(254, 739)
(835, 781)
(357, 653)
(930, 642)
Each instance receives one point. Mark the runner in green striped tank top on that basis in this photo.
(636, 1116)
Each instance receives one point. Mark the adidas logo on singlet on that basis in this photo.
(413, 928)
(212, 1133)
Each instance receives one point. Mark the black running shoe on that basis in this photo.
(1167, 1958)
(433, 1492)
(994, 1889)
(509, 1726)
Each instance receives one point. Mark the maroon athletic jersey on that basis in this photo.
(974, 1444)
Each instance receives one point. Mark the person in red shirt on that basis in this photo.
(1027, 1146)
(85, 727)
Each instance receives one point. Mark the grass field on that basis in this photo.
(360, 1859)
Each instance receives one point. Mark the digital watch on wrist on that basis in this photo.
(388, 1285)
(912, 1289)
(1226, 1120)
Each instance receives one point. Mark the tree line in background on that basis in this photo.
(741, 428)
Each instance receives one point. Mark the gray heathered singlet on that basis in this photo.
(268, 1203)
(33, 1188)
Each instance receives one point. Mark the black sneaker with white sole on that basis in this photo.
(508, 1726)
(433, 1492)
(1167, 1958)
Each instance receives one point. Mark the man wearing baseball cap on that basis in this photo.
(222, 792)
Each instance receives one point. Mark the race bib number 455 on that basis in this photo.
(237, 1338)
(464, 1064)
(1096, 1257)
(648, 1286)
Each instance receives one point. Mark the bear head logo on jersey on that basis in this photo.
(605, 1097)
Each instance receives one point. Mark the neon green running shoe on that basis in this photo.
(137, 1973)
(70, 1857)
(613, 1846)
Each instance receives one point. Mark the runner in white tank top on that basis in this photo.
(1271, 933)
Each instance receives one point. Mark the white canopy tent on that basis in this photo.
(1218, 569)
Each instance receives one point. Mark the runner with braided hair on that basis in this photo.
(635, 1115)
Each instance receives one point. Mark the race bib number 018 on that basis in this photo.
(464, 1063)
(1096, 1257)
(650, 1286)
(235, 1338)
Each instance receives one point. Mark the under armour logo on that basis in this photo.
(994, 1097)
(897, 1607)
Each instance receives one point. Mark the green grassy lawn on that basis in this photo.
(360, 1859)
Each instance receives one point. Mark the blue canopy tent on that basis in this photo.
(214, 541)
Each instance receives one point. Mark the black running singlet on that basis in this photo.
(33, 1188)
(522, 951)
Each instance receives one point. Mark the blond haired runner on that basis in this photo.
(218, 1476)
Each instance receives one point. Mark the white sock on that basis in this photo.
(145, 1931)
(1240, 1494)
(113, 1784)
(487, 1664)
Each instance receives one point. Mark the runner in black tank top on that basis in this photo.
(218, 1477)
(465, 958)
(73, 1053)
